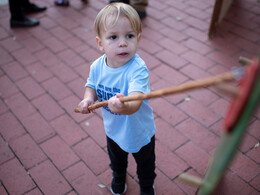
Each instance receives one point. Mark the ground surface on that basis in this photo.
(46, 148)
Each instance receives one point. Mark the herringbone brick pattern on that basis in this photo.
(46, 148)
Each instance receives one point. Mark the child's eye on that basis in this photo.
(113, 37)
(130, 36)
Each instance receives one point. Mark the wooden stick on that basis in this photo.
(190, 179)
(225, 77)
(244, 61)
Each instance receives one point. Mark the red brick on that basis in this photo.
(218, 69)
(3, 107)
(11, 44)
(20, 106)
(197, 13)
(71, 58)
(175, 24)
(10, 128)
(220, 106)
(24, 56)
(221, 44)
(197, 111)
(15, 71)
(39, 72)
(63, 72)
(217, 127)
(168, 135)
(164, 185)
(253, 129)
(69, 104)
(173, 46)
(168, 162)
(56, 88)
(196, 34)
(171, 59)
(32, 44)
(60, 33)
(40, 33)
(196, 23)
(66, 22)
(155, 13)
(244, 167)
(15, 178)
(254, 153)
(47, 58)
(149, 46)
(73, 42)
(168, 112)
(5, 152)
(173, 34)
(2, 190)
(90, 55)
(198, 134)
(7, 88)
(83, 71)
(245, 44)
(256, 182)
(59, 153)
(197, 46)
(233, 184)
(200, 5)
(158, 5)
(49, 179)
(35, 191)
(172, 76)
(3, 34)
(153, 24)
(47, 107)
(184, 186)
(5, 57)
(175, 10)
(151, 35)
(203, 95)
(150, 61)
(95, 128)
(68, 130)
(38, 128)
(97, 161)
(195, 72)
(78, 87)
(30, 88)
(27, 151)
(194, 156)
(83, 180)
(54, 44)
(198, 59)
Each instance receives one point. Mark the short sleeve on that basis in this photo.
(139, 81)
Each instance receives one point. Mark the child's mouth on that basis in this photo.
(123, 54)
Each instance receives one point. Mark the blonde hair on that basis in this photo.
(116, 10)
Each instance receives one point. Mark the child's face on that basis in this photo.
(118, 41)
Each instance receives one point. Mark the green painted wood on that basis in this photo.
(228, 144)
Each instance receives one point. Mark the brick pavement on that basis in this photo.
(46, 148)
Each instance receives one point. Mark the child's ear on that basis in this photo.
(139, 37)
(99, 43)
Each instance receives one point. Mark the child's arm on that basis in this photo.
(124, 108)
(90, 97)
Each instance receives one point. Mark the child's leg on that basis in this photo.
(118, 164)
(145, 160)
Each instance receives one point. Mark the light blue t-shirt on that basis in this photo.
(130, 132)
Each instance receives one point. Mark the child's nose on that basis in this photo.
(122, 43)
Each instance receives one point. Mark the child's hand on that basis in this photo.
(115, 105)
(83, 106)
